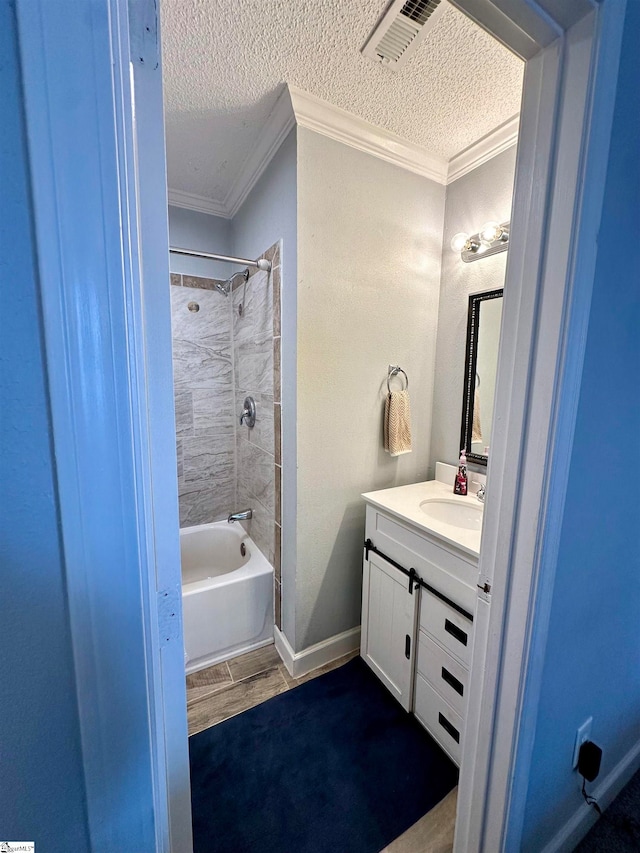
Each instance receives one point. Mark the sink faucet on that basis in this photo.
(480, 493)
(245, 515)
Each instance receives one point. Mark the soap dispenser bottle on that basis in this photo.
(460, 484)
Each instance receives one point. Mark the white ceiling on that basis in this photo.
(225, 63)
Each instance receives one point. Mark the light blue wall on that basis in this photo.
(592, 661)
(269, 214)
(481, 195)
(369, 249)
(42, 791)
(203, 232)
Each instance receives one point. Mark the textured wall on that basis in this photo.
(204, 400)
(202, 232)
(267, 216)
(592, 659)
(42, 794)
(369, 248)
(481, 195)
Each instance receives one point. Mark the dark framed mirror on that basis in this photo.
(480, 368)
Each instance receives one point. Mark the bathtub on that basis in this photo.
(227, 594)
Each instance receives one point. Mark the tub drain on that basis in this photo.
(243, 549)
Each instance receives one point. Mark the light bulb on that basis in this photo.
(459, 241)
(490, 232)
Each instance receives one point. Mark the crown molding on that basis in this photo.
(336, 123)
(281, 120)
(495, 142)
(190, 201)
(295, 107)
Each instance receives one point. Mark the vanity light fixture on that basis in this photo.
(492, 238)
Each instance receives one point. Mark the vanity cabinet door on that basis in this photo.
(389, 613)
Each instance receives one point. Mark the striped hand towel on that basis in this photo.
(397, 423)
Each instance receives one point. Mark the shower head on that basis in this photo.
(225, 286)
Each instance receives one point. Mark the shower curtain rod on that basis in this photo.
(261, 263)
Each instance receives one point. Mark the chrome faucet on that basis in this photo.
(480, 493)
(245, 515)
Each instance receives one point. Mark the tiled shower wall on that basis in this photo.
(204, 399)
(256, 335)
(220, 356)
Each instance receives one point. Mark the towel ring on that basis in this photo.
(393, 371)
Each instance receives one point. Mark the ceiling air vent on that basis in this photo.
(400, 30)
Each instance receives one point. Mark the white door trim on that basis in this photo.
(100, 257)
(560, 176)
(103, 270)
(147, 199)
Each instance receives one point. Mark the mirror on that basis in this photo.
(481, 364)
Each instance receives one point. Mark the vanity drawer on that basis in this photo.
(449, 677)
(439, 718)
(451, 629)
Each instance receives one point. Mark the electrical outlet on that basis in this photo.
(583, 734)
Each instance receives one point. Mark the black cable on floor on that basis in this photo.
(591, 801)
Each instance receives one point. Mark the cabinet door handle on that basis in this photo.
(407, 647)
(449, 729)
(452, 681)
(456, 632)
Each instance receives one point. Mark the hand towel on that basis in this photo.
(397, 423)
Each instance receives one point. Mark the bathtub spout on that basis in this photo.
(245, 515)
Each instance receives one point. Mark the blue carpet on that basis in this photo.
(618, 830)
(332, 766)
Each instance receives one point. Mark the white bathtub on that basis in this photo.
(227, 596)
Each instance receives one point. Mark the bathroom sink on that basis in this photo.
(453, 512)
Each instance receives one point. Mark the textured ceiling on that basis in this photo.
(225, 63)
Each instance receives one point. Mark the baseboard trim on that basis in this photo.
(605, 793)
(300, 663)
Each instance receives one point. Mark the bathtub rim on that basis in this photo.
(257, 564)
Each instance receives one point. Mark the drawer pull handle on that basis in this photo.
(407, 647)
(456, 632)
(452, 681)
(449, 729)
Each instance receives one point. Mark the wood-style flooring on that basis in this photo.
(229, 688)
(433, 833)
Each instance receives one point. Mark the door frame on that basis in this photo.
(95, 134)
(558, 193)
(103, 239)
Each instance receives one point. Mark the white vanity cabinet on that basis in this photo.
(442, 672)
(389, 614)
(418, 638)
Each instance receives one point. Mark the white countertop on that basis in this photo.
(404, 502)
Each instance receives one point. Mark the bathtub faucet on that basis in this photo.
(245, 515)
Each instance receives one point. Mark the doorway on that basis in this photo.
(352, 204)
(536, 308)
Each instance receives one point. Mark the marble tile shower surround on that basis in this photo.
(204, 400)
(220, 356)
(256, 358)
